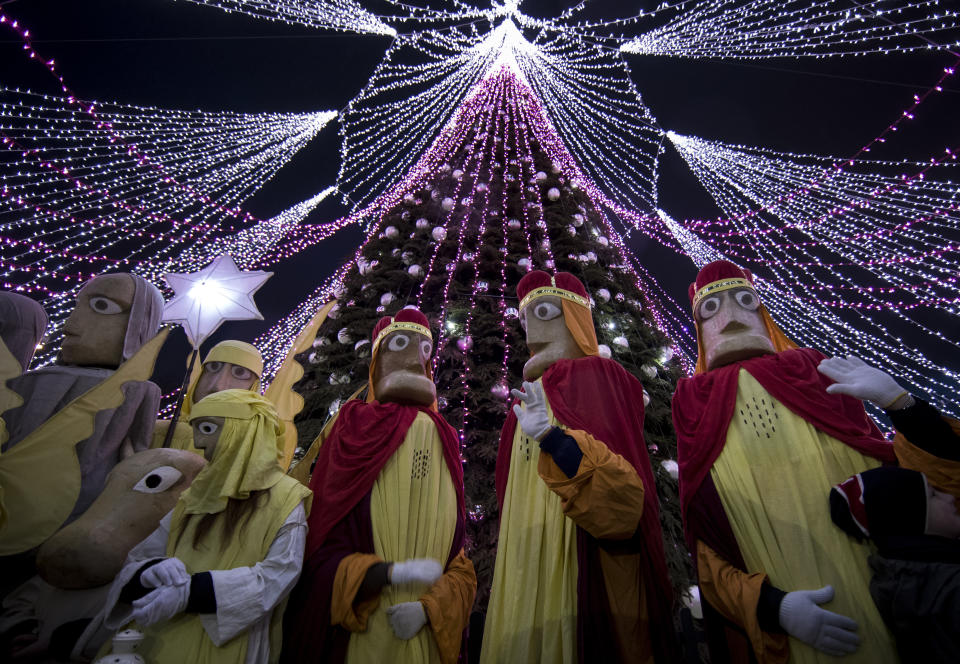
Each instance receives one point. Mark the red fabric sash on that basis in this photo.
(703, 407)
(362, 440)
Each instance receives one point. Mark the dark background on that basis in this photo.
(176, 54)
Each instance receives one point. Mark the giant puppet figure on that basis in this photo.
(65, 426)
(580, 573)
(386, 578)
(760, 443)
(230, 365)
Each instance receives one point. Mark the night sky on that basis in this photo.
(176, 54)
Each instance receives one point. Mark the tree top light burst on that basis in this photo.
(852, 255)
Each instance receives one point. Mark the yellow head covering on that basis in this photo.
(247, 454)
(235, 352)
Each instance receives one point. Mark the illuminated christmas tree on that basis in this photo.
(496, 196)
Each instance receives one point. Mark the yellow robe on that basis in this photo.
(413, 509)
(773, 477)
(532, 615)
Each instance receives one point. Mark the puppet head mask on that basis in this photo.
(400, 365)
(230, 365)
(555, 314)
(732, 324)
(115, 314)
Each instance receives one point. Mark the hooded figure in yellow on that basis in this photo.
(210, 584)
(229, 365)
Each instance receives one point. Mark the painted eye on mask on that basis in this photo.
(158, 480)
(747, 299)
(546, 311)
(104, 305)
(213, 367)
(398, 342)
(709, 307)
(207, 428)
(240, 373)
(426, 348)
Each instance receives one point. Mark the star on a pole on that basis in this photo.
(220, 292)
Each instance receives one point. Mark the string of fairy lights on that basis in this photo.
(860, 259)
(854, 253)
(755, 29)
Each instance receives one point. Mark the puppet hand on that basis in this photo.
(161, 604)
(532, 417)
(824, 630)
(416, 570)
(407, 619)
(167, 572)
(858, 379)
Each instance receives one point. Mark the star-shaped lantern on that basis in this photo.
(217, 293)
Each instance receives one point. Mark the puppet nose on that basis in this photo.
(535, 346)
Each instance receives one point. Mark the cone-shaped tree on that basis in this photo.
(497, 195)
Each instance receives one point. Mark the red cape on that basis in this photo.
(362, 440)
(599, 396)
(703, 407)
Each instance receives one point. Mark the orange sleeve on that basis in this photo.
(346, 583)
(735, 595)
(942, 473)
(605, 497)
(448, 604)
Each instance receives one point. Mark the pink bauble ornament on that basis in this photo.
(447, 204)
(553, 193)
(439, 233)
(422, 223)
(465, 343)
(500, 390)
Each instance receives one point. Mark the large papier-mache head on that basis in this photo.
(555, 314)
(230, 365)
(732, 323)
(400, 370)
(114, 316)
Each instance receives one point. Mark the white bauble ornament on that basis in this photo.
(603, 294)
(445, 168)
(482, 187)
(407, 257)
(439, 233)
(447, 204)
(666, 353)
(578, 220)
(510, 312)
(553, 193)
(603, 350)
(343, 336)
(672, 468)
(592, 257)
(415, 270)
(540, 176)
(514, 224)
(458, 174)
(691, 600)
(572, 230)
(359, 346)
(334, 407)
(386, 299)
(434, 194)
(422, 223)
(524, 263)
(467, 257)
(649, 370)
(408, 199)
(603, 241)
(391, 232)
(621, 341)
(646, 398)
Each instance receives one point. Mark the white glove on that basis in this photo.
(416, 570)
(161, 604)
(167, 572)
(533, 418)
(406, 619)
(824, 630)
(858, 379)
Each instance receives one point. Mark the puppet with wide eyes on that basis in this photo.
(759, 441)
(230, 365)
(385, 577)
(580, 571)
(115, 317)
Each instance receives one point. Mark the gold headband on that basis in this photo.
(553, 290)
(401, 325)
(719, 286)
